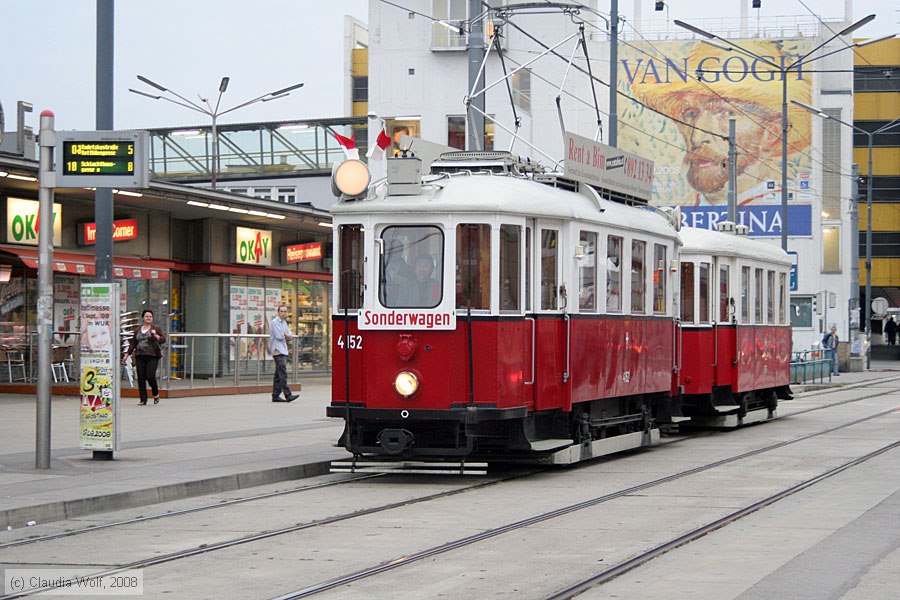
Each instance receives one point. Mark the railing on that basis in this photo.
(809, 365)
(190, 360)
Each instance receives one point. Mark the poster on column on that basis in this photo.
(65, 307)
(99, 380)
(256, 312)
(238, 303)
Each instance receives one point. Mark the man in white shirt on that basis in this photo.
(279, 334)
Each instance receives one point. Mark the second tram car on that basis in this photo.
(486, 310)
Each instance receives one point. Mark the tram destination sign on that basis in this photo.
(102, 159)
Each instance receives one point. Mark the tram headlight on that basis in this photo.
(406, 383)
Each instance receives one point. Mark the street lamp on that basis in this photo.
(784, 70)
(209, 111)
(871, 135)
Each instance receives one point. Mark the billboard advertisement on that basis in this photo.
(683, 94)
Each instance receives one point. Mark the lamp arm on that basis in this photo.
(189, 105)
(891, 125)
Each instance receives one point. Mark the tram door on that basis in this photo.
(549, 304)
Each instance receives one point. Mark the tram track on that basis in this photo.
(406, 560)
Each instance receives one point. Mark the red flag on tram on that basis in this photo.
(348, 144)
(377, 149)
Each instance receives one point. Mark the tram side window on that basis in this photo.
(351, 267)
(510, 271)
(704, 292)
(613, 273)
(528, 268)
(687, 292)
(473, 266)
(770, 297)
(587, 272)
(758, 300)
(723, 293)
(745, 294)
(782, 290)
(411, 272)
(659, 279)
(549, 252)
(638, 276)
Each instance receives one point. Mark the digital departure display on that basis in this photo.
(98, 158)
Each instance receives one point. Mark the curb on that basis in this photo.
(70, 509)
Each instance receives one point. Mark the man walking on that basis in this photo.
(830, 343)
(279, 334)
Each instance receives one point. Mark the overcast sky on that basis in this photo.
(262, 45)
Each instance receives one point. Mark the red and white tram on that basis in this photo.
(485, 310)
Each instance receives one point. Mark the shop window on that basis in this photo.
(350, 269)
(659, 279)
(510, 267)
(587, 272)
(613, 273)
(473, 266)
(411, 270)
(456, 133)
(549, 262)
(687, 292)
(638, 276)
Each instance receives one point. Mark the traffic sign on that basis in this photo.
(102, 159)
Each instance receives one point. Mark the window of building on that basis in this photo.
(831, 249)
(448, 29)
(723, 293)
(456, 133)
(758, 296)
(473, 266)
(411, 272)
(745, 294)
(288, 195)
(510, 267)
(704, 292)
(659, 279)
(521, 90)
(801, 312)
(831, 163)
(687, 292)
(262, 193)
(613, 273)
(399, 127)
(350, 269)
(549, 252)
(360, 92)
(587, 272)
(638, 276)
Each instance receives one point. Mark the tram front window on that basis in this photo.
(412, 267)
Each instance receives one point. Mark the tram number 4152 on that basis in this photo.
(354, 342)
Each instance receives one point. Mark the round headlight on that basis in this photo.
(406, 384)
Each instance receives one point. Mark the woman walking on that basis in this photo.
(146, 347)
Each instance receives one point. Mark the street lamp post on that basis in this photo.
(871, 136)
(784, 70)
(211, 112)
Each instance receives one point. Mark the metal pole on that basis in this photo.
(45, 291)
(214, 168)
(853, 331)
(869, 258)
(613, 127)
(475, 55)
(732, 173)
(103, 204)
(784, 161)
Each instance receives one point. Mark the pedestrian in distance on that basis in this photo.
(279, 334)
(830, 343)
(890, 328)
(146, 347)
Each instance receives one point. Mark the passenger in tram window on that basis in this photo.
(397, 273)
(423, 291)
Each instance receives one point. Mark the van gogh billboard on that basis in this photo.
(687, 90)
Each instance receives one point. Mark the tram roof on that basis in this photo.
(507, 195)
(705, 241)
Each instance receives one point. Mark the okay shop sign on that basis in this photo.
(254, 246)
(23, 222)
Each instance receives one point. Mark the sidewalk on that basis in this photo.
(184, 447)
